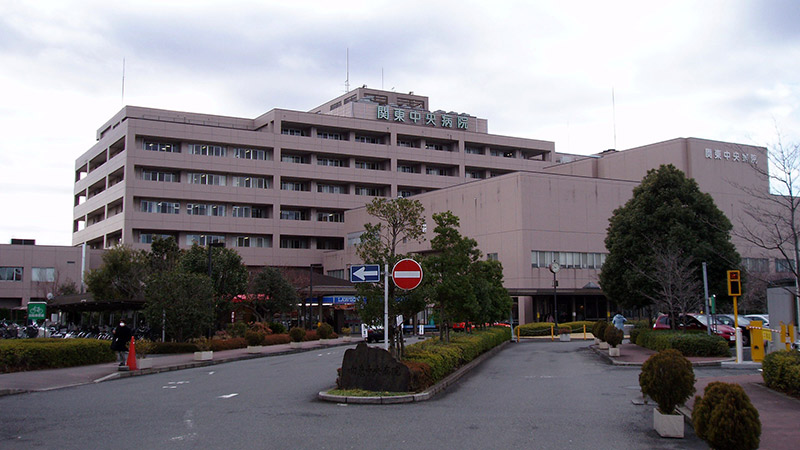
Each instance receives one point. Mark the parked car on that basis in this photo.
(727, 319)
(462, 326)
(762, 317)
(374, 334)
(696, 322)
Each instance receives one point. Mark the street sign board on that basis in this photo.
(367, 273)
(36, 310)
(407, 274)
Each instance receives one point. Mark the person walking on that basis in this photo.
(619, 321)
(122, 334)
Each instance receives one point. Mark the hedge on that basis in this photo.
(31, 354)
(781, 371)
(543, 328)
(443, 358)
(688, 343)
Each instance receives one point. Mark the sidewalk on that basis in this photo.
(779, 413)
(46, 380)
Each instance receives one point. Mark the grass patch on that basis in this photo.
(363, 393)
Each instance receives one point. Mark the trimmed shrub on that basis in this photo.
(277, 328)
(421, 377)
(324, 331)
(599, 329)
(311, 335)
(668, 378)
(781, 371)
(297, 334)
(535, 329)
(237, 329)
(346, 331)
(144, 347)
(275, 339)
(173, 347)
(31, 354)
(725, 418)
(227, 344)
(564, 330)
(255, 338)
(613, 336)
(688, 343)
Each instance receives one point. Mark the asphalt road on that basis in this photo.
(549, 395)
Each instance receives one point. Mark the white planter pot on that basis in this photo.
(255, 348)
(596, 341)
(613, 351)
(603, 345)
(294, 344)
(144, 363)
(203, 356)
(563, 337)
(668, 425)
(346, 339)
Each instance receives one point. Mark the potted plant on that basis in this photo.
(297, 335)
(725, 418)
(564, 334)
(346, 334)
(599, 331)
(667, 377)
(613, 337)
(204, 352)
(143, 348)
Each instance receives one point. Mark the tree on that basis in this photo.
(494, 302)
(667, 210)
(121, 277)
(270, 293)
(400, 220)
(182, 301)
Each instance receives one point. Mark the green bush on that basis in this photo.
(297, 334)
(174, 347)
(668, 378)
(237, 329)
(31, 354)
(688, 343)
(218, 345)
(613, 336)
(725, 418)
(324, 331)
(277, 328)
(599, 330)
(255, 338)
(634, 334)
(781, 371)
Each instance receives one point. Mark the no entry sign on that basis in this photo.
(407, 274)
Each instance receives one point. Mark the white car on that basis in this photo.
(764, 318)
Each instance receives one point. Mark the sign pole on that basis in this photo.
(386, 307)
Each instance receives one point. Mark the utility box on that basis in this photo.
(782, 311)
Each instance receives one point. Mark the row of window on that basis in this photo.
(47, 274)
(242, 211)
(568, 260)
(209, 150)
(292, 242)
(303, 214)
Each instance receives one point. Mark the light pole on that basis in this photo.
(555, 267)
(311, 290)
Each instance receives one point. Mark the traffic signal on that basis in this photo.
(734, 283)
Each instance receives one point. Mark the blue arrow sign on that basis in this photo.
(369, 273)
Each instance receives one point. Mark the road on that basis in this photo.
(550, 395)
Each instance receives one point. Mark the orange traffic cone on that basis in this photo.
(132, 356)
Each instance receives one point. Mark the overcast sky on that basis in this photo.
(712, 69)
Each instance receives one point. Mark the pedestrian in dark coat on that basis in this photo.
(122, 335)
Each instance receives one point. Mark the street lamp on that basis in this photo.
(311, 290)
(555, 267)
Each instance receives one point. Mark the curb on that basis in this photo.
(419, 397)
(719, 363)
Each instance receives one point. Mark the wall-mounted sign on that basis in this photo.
(727, 155)
(422, 118)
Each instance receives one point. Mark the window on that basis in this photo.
(370, 165)
(153, 206)
(474, 150)
(294, 242)
(147, 238)
(162, 147)
(339, 273)
(241, 211)
(405, 193)
(503, 153)
(437, 146)
(250, 153)
(294, 186)
(250, 182)
(437, 171)
(405, 143)
(407, 169)
(491, 256)
(204, 239)
(354, 238)
(475, 174)
(156, 175)
(368, 139)
(295, 159)
(331, 188)
(206, 178)
(333, 216)
(253, 241)
(293, 132)
(207, 150)
(202, 209)
(568, 260)
(261, 213)
(330, 244)
(10, 273)
(329, 135)
(294, 214)
(371, 191)
(783, 265)
(43, 274)
(330, 162)
(757, 265)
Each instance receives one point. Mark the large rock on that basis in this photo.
(373, 369)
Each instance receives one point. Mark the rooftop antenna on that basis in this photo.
(614, 112)
(347, 66)
(381, 78)
(123, 81)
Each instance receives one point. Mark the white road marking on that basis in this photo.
(211, 373)
(228, 396)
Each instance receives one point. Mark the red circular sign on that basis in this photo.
(407, 274)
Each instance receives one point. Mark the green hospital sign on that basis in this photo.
(36, 311)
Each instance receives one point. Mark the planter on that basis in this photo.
(563, 337)
(346, 339)
(613, 351)
(294, 344)
(603, 345)
(144, 363)
(596, 341)
(203, 356)
(668, 425)
(255, 348)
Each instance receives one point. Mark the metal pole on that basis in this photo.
(311, 289)
(555, 300)
(386, 307)
(708, 307)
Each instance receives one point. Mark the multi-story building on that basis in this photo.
(276, 187)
